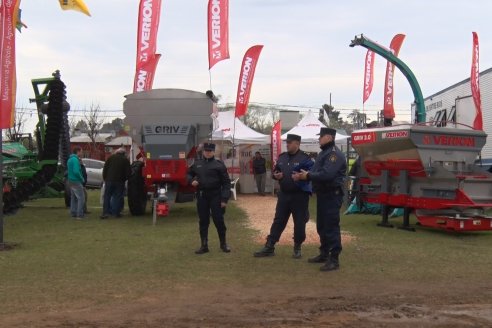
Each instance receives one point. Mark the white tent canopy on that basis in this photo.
(242, 135)
(308, 128)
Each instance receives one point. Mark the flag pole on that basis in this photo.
(233, 143)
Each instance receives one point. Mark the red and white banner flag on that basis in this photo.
(368, 75)
(475, 84)
(145, 74)
(148, 25)
(218, 31)
(8, 83)
(276, 142)
(389, 110)
(246, 76)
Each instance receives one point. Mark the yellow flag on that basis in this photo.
(77, 5)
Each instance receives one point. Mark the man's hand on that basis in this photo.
(223, 205)
(194, 183)
(296, 176)
(278, 175)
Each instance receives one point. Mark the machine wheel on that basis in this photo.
(137, 196)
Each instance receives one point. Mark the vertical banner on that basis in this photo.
(145, 75)
(218, 31)
(8, 82)
(368, 75)
(475, 84)
(389, 110)
(148, 24)
(246, 76)
(276, 142)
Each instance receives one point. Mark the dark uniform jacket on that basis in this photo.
(286, 164)
(211, 175)
(116, 168)
(259, 165)
(329, 170)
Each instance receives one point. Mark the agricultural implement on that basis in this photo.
(424, 169)
(167, 125)
(26, 174)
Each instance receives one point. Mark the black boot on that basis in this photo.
(297, 251)
(223, 244)
(267, 250)
(203, 248)
(321, 258)
(332, 264)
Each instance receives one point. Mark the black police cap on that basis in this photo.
(325, 131)
(293, 137)
(209, 146)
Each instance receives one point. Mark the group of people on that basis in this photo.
(115, 173)
(294, 170)
(298, 177)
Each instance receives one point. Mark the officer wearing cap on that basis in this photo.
(327, 176)
(209, 176)
(292, 199)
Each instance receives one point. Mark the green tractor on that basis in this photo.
(27, 173)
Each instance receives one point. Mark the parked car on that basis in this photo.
(94, 170)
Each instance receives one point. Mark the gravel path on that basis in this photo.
(260, 212)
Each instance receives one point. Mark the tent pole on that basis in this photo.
(233, 144)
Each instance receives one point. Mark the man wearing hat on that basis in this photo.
(327, 176)
(209, 176)
(292, 199)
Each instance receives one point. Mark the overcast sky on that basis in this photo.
(306, 54)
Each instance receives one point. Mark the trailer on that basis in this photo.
(168, 125)
(423, 168)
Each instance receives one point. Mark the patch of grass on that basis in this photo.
(97, 261)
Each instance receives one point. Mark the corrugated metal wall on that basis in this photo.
(445, 100)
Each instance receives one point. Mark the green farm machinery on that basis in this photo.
(27, 173)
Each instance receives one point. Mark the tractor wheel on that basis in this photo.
(137, 196)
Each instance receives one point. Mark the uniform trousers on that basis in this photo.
(295, 203)
(209, 202)
(328, 221)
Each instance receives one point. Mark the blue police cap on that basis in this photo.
(293, 137)
(325, 131)
(209, 146)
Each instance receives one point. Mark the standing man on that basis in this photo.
(292, 199)
(209, 176)
(75, 181)
(115, 173)
(84, 174)
(328, 177)
(259, 171)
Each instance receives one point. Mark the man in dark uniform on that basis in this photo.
(213, 184)
(327, 176)
(292, 199)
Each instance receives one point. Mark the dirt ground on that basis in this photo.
(370, 305)
(261, 211)
(257, 307)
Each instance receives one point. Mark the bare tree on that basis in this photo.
(18, 126)
(94, 124)
(358, 119)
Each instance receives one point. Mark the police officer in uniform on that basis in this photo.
(292, 199)
(213, 184)
(328, 177)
